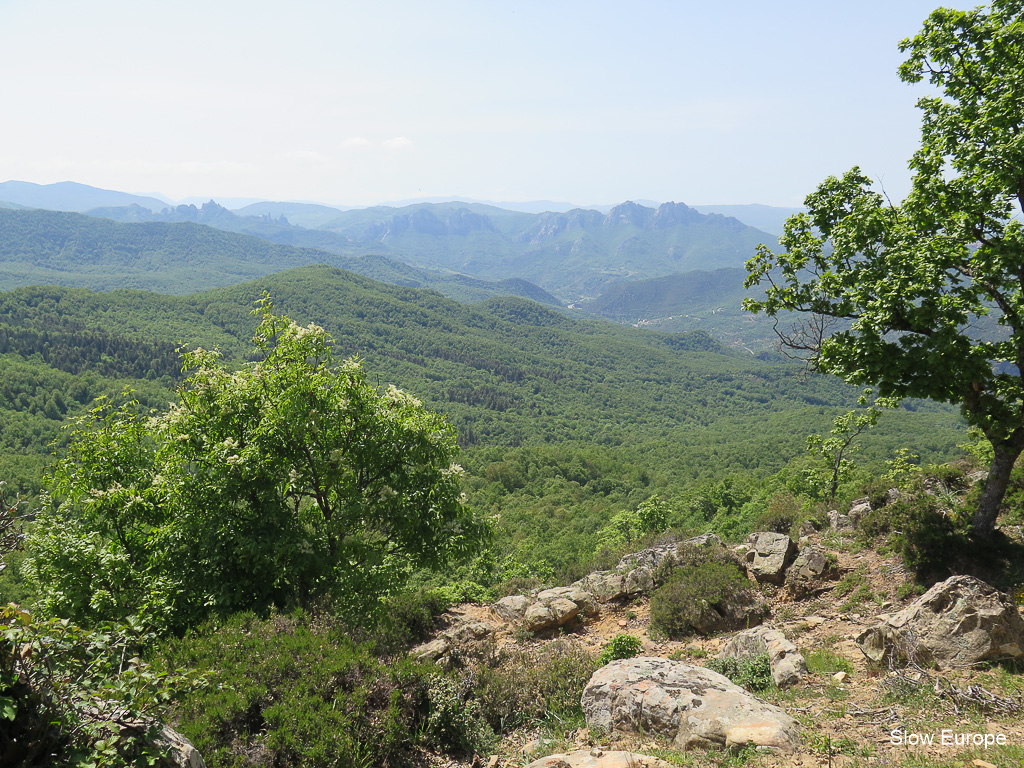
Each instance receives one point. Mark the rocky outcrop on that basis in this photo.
(809, 571)
(858, 509)
(547, 609)
(787, 663)
(768, 556)
(691, 705)
(641, 572)
(460, 634)
(605, 586)
(598, 758)
(838, 521)
(958, 622)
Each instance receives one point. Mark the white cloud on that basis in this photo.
(399, 142)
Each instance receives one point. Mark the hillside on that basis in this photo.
(39, 247)
(710, 301)
(562, 420)
(71, 196)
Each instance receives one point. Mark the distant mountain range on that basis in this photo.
(70, 196)
(40, 247)
(572, 254)
(668, 266)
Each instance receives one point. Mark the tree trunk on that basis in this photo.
(992, 498)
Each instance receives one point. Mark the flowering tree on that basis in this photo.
(286, 480)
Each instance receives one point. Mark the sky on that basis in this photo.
(346, 103)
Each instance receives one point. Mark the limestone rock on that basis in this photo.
(691, 705)
(858, 509)
(432, 650)
(787, 663)
(176, 751)
(547, 609)
(639, 573)
(584, 758)
(512, 608)
(958, 622)
(768, 556)
(839, 522)
(809, 570)
(605, 586)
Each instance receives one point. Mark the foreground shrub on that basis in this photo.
(754, 674)
(76, 697)
(295, 690)
(519, 686)
(680, 606)
(620, 647)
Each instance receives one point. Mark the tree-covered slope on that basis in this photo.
(563, 420)
(39, 247)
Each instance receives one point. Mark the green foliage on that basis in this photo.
(518, 686)
(294, 690)
(834, 451)
(620, 647)
(291, 478)
(454, 723)
(931, 285)
(677, 605)
(753, 673)
(79, 697)
(929, 539)
(822, 661)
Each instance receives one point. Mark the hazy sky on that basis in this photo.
(356, 103)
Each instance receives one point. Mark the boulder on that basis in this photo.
(858, 508)
(787, 663)
(433, 650)
(838, 521)
(605, 586)
(768, 555)
(512, 608)
(547, 609)
(176, 751)
(461, 633)
(597, 758)
(691, 705)
(958, 622)
(809, 570)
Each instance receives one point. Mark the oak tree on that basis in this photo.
(930, 290)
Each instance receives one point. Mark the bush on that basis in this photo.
(454, 723)
(515, 687)
(409, 618)
(295, 690)
(67, 693)
(678, 605)
(620, 647)
(754, 674)
(928, 539)
(784, 511)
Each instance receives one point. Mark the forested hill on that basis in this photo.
(40, 247)
(507, 371)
